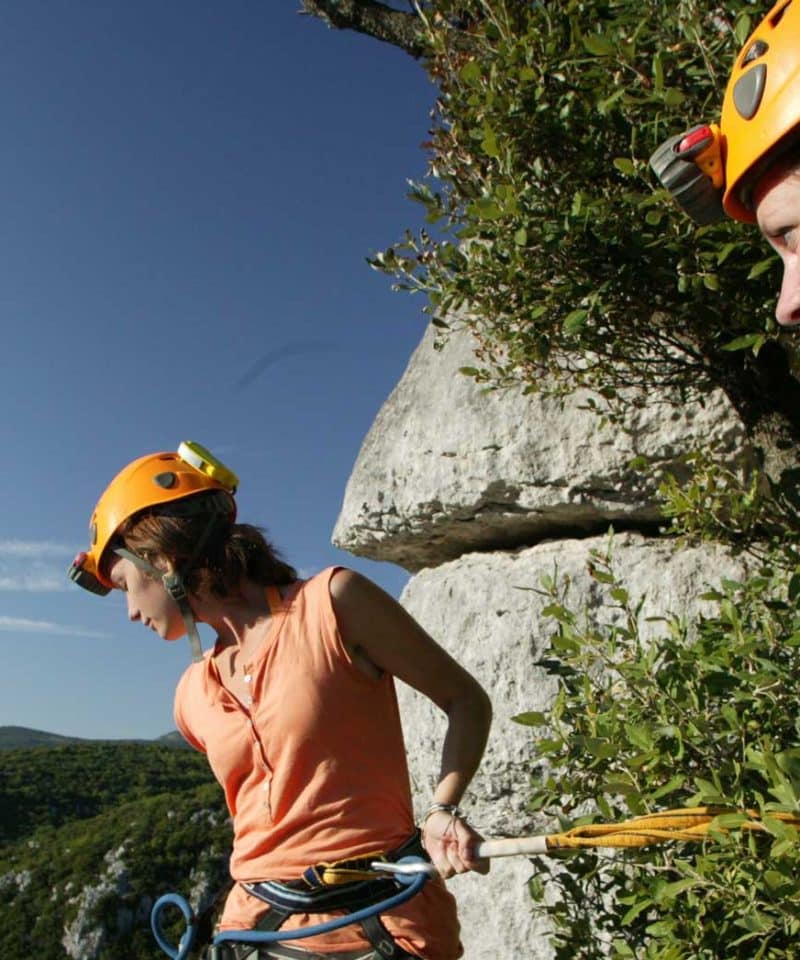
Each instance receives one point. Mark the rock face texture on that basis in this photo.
(481, 495)
(482, 609)
(448, 468)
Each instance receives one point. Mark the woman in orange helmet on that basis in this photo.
(295, 709)
(748, 167)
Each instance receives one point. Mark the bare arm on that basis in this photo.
(374, 626)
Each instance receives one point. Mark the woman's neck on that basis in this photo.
(238, 619)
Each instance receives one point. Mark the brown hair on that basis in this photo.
(211, 553)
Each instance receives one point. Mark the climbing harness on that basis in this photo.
(402, 886)
(350, 885)
(364, 888)
(368, 887)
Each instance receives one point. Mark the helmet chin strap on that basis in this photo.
(176, 588)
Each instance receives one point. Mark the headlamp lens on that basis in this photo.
(84, 577)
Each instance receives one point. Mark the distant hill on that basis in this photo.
(16, 738)
(91, 832)
(173, 739)
(76, 781)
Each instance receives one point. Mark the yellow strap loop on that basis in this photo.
(692, 823)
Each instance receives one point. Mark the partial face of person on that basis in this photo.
(777, 205)
(148, 601)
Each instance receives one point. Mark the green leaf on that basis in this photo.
(470, 73)
(658, 73)
(744, 342)
(674, 97)
(761, 267)
(624, 165)
(601, 749)
(489, 143)
(635, 911)
(661, 928)
(742, 28)
(575, 321)
(599, 45)
(794, 587)
(530, 718)
(622, 949)
(774, 880)
(557, 612)
(486, 209)
(731, 821)
(671, 890)
(675, 783)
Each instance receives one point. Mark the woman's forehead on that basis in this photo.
(777, 194)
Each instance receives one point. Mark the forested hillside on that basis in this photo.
(91, 834)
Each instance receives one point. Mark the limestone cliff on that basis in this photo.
(479, 494)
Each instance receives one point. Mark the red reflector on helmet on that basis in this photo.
(697, 139)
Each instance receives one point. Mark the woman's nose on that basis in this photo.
(787, 310)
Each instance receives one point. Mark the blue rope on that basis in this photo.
(413, 883)
(186, 941)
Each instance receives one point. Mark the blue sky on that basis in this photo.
(189, 193)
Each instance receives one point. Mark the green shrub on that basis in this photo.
(548, 237)
(699, 714)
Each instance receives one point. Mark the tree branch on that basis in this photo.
(408, 31)
(404, 30)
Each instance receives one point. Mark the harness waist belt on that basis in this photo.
(306, 896)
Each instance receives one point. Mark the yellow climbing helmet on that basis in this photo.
(711, 169)
(150, 481)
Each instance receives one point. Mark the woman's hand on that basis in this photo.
(450, 842)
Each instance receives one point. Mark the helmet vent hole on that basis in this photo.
(754, 51)
(165, 480)
(779, 15)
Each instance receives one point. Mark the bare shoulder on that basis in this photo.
(376, 625)
(348, 587)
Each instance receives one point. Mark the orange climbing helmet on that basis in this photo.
(150, 481)
(762, 102)
(711, 169)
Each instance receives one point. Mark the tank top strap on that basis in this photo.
(274, 599)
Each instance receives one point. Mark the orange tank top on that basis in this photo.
(313, 768)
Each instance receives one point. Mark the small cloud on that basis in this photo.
(33, 582)
(24, 625)
(37, 549)
(33, 566)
